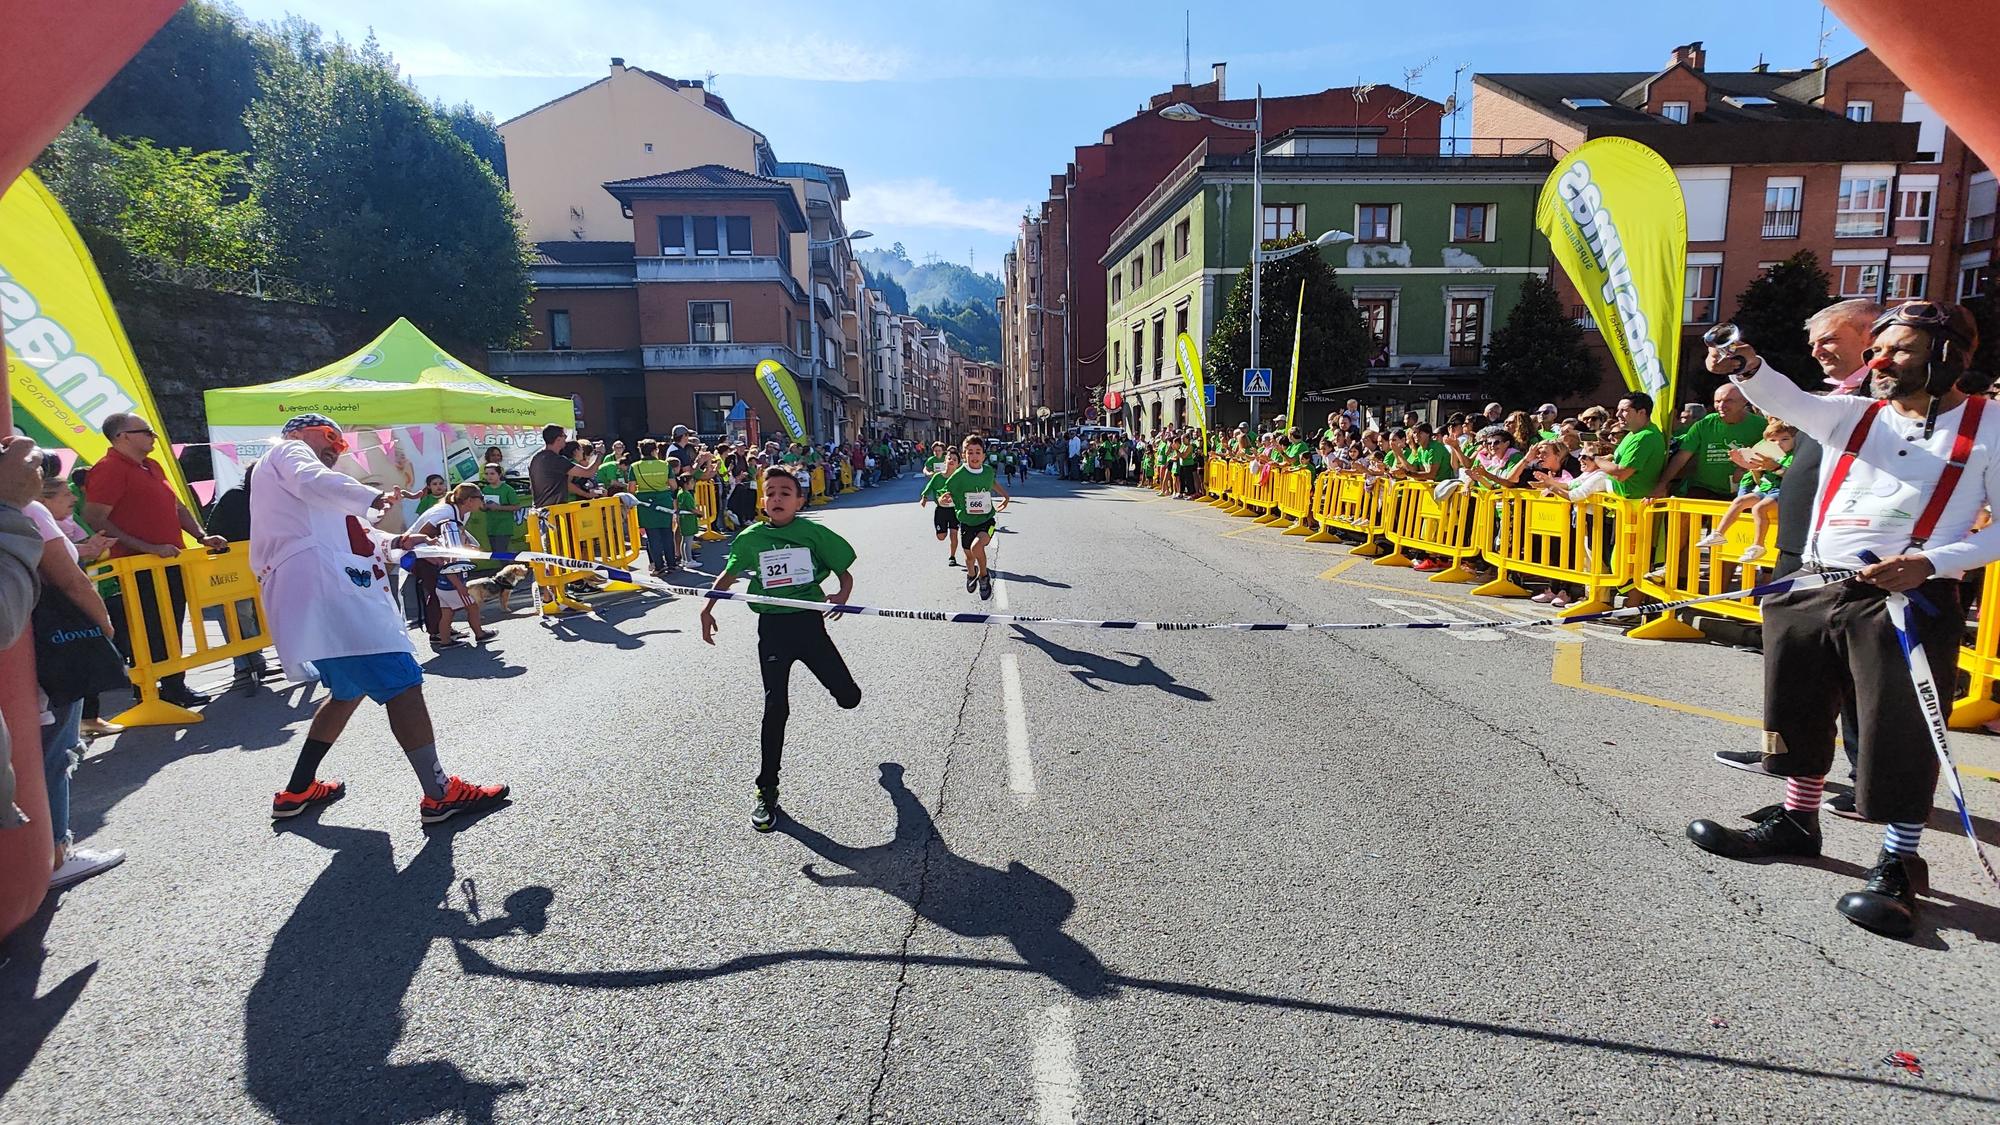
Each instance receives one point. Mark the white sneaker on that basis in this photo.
(81, 864)
(1545, 597)
(1712, 539)
(1751, 553)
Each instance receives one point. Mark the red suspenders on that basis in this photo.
(1961, 453)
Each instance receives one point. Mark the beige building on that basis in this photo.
(631, 123)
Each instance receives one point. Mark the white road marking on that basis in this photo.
(1058, 1091)
(1000, 593)
(1020, 767)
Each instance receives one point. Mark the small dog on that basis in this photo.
(499, 587)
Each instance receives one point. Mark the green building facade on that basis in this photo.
(1443, 244)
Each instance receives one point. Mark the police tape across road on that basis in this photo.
(1802, 580)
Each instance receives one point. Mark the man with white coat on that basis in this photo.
(332, 617)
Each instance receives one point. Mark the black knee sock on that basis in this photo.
(308, 766)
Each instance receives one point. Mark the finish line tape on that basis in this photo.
(1802, 580)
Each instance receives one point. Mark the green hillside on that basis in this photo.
(943, 295)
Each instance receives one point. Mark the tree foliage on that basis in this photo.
(183, 206)
(1538, 354)
(1772, 312)
(889, 287)
(371, 195)
(1333, 350)
(189, 86)
(476, 128)
(971, 330)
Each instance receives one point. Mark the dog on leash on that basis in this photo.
(499, 587)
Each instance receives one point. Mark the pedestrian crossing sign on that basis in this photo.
(1256, 382)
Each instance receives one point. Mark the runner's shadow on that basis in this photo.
(1031, 580)
(1092, 669)
(597, 631)
(957, 894)
(324, 1019)
(476, 662)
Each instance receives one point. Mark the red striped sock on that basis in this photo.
(1803, 794)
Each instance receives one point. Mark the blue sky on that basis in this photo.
(949, 118)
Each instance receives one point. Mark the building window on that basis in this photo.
(1281, 220)
(559, 329)
(1138, 272)
(736, 228)
(1117, 357)
(1180, 240)
(1117, 287)
(1982, 198)
(711, 412)
(1676, 112)
(1861, 279)
(1180, 322)
(1375, 317)
(1699, 302)
(1863, 211)
(1908, 283)
(1915, 209)
(1781, 206)
(707, 234)
(1138, 350)
(1375, 222)
(1973, 274)
(1159, 257)
(673, 235)
(1160, 346)
(1861, 111)
(1472, 222)
(708, 323)
(649, 146)
(1468, 331)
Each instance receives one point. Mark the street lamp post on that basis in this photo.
(817, 362)
(1062, 312)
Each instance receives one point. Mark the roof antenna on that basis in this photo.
(1825, 33)
(1187, 47)
(709, 84)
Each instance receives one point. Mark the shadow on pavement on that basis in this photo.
(324, 1018)
(1092, 669)
(596, 630)
(473, 662)
(1031, 580)
(31, 1018)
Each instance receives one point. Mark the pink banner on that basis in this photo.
(386, 440)
(478, 433)
(417, 437)
(204, 490)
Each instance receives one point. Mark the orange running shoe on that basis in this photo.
(460, 796)
(292, 804)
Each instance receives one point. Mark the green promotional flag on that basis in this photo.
(1617, 223)
(783, 391)
(1191, 376)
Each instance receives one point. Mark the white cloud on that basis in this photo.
(926, 203)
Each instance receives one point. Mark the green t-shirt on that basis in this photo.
(1297, 451)
(965, 486)
(934, 485)
(488, 524)
(1645, 450)
(653, 484)
(690, 515)
(931, 464)
(607, 473)
(796, 557)
(426, 502)
(1436, 455)
(1769, 482)
(1708, 442)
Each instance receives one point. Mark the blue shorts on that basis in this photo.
(381, 676)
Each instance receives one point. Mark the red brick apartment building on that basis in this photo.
(1842, 159)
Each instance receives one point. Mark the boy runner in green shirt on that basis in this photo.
(787, 556)
(944, 521)
(969, 490)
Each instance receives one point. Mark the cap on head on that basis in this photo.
(309, 421)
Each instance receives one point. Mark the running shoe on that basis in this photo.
(951, 560)
(1712, 539)
(288, 803)
(971, 583)
(81, 863)
(460, 796)
(764, 814)
(1749, 760)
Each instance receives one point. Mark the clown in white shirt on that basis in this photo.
(324, 578)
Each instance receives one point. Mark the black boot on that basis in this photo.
(1782, 832)
(1887, 904)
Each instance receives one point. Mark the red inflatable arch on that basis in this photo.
(1945, 50)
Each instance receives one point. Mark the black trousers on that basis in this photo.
(1850, 727)
(784, 639)
(156, 636)
(1827, 646)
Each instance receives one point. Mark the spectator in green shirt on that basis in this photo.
(1428, 459)
(496, 521)
(1641, 455)
(1702, 462)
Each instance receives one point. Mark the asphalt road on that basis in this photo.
(1045, 875)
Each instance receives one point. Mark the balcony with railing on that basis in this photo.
(1781, 224)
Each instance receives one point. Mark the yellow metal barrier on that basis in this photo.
(1253, 492)
(1353, 503)
(846, 476)
(1215, 479)
(211, 580)
(1451, 528)
(1667, 565)
(1295, 495)
(1585, 542)
(711, 510)
(604, 531)
(818, 487)
(1981, 660)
